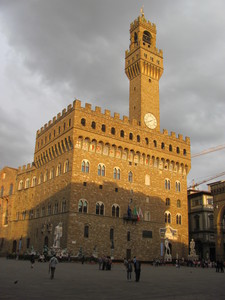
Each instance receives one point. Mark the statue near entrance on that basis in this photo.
(192, 256)
(57, 235)
(167, 256)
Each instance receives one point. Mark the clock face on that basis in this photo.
(150, 121)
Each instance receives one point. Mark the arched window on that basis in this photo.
(58, 170)
(51, 173)
(135, 37)
(85, 166)
(178, 219)
(121, 133)
(20, 186)
(115, 210)
(147, 179)
(82, 206)
(93, 125)
(177, 186)
(40, 179)
(116, 173)
(63, 208)
(46, 176)
(147, 216)
(178, 150)
(99, 208)
(34, 181)
(66, 166)
(103, 128)
(83, 122)
(162, 146)
(49, 209)
(138, 138)
(147, 37)
(101, 170)
(113, 131)
(27, 183)
(167, 184)
(155, 143)
(131, 136)
(167, 201)
(170, 148)
(56, 208)
(130, 176)
(184, 152)
(167, 217)
(146, 141)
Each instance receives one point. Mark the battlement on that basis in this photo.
(141, 20)
(26, 168)
(156, 51)
(107, 113)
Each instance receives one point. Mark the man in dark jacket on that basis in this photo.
(137, 269)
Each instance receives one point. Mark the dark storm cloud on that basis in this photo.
(76, 48)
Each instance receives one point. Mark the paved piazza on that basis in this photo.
(77, 281)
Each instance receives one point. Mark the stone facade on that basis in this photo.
(90, 167)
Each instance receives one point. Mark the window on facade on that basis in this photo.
(51, 173)
(37, 213)
(162, 146)
(82, 206)
(147, 216)
(69, 122)
(43, 211)
(46, 176)
(178, 150)
(113, 131)
(167, 217)
(184, 152)
(10, 189)
(130, 176)
(49, 209)
(131, 136)
(66, 166)
(63, 206)
(56, 208)
(86, 231)
(20, 185)
(178, 219)
(177, 186)
(85, 166)
(128, 236)
(138, 138)
(27, 183)
(99, 208)
(211, 223)
(115, 211)
(167, 201)
(93, 125)
(116, 173)
(146, 141)
(155, 143)
(170, 148)
(121, 133)
(101, 170)
(167, 184)
(178, 203)
(83, 122)
(58, 170)
(103, 128)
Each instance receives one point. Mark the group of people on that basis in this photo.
(105, 263)
(129, 268)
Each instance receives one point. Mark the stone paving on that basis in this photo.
(76, 281)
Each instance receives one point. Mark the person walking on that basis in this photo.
(129, 269)
(137, 269)
(52, 265)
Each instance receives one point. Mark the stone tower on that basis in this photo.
(144, 67)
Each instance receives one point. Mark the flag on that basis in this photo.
(140, 213)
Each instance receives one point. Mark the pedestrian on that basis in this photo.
(52, 265)
(129, 269)
(32, 260)
(137, 269)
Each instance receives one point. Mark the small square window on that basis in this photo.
(100, 186)
(116, 190)
(84, 183)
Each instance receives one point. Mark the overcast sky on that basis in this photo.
(54, 51)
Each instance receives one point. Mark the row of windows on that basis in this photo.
(54, 133)
(47, 175)
(168, 218)
(131, 137)
(85, 168)
(10, 190)
(43, 211)
(168, 202)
